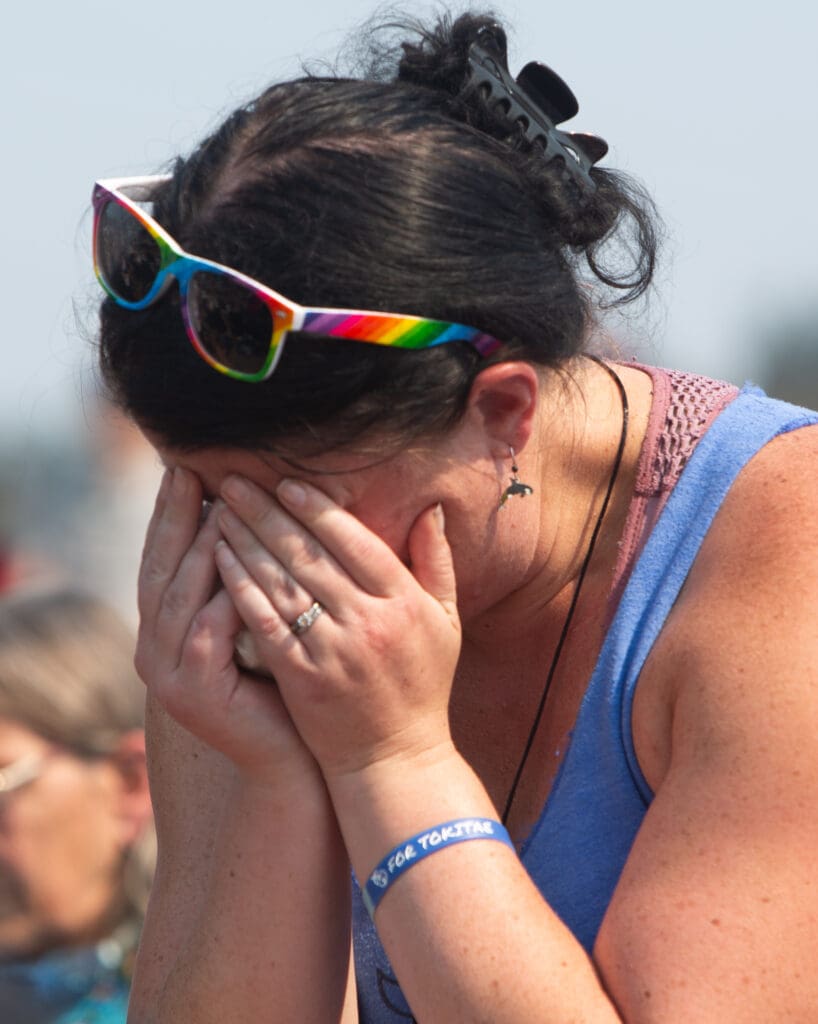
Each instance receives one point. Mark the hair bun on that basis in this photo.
(583, 212)
(440, 59)
(467, 59)
(580, 206)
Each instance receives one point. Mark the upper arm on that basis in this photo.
(716, 913)
(189, 784)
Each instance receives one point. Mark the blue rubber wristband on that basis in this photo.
(398, 861)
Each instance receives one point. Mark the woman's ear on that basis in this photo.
(133, 798)
(504, 397)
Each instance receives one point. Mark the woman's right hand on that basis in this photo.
(229, 897)
(185, 651)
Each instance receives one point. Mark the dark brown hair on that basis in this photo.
(403, 193)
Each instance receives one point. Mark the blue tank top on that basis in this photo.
(579, 845)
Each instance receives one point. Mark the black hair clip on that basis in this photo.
(538, 101)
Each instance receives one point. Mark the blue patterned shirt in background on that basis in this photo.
(80, 986)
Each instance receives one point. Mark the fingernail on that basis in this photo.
(440, 518)
(224, 556)
(234, 489)
(292, 492)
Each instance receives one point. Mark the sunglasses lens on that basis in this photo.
(231, 323)
(127, 255)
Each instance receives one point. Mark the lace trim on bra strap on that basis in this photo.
(684, 406)
(694, 402)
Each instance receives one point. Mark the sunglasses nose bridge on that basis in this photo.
(177, 265)
(182, 269)
(164, 279)
(178, 268)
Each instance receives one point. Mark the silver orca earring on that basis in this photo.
(515, 484)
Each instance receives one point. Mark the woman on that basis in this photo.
(76, 839)
(497, 582)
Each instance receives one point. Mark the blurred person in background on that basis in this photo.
(8, 567)
(77, 847)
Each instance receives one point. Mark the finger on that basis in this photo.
(211, 639)
(286, 593)
(431, 557)
(253, 606)
(247, 656)
(206, 663)
(158, 509)
(229, 708)
(171, 536)
(367, 559)
(189, 590)
(301, 554)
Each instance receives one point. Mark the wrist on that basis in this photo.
(380, 805)
(412, 850)
(396, 778)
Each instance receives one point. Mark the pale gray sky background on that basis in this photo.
(712, 104)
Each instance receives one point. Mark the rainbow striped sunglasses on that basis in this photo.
(236, 324)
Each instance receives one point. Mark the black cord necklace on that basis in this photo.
(623, 437)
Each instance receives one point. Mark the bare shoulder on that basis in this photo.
(762, 550)
(775, 493)
(718, 903)
(740, 651)
(758, 563)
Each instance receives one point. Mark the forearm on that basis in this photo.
(467, 933)
(271, 941)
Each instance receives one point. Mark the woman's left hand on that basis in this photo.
(370, 679)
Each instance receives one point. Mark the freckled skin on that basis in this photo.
(724, 716)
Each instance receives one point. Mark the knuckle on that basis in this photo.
(376, 634)
(261, 512)
(308, 554)
(243, 588)
(201, 625)
(197, 645)
(386, 628)
(152, 573)
(284, 583)
(270, 626)
(176, 601)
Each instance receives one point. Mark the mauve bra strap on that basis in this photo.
(683, 407)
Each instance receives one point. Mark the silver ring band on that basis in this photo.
(306, 619)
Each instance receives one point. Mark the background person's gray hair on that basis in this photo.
(66, 673)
